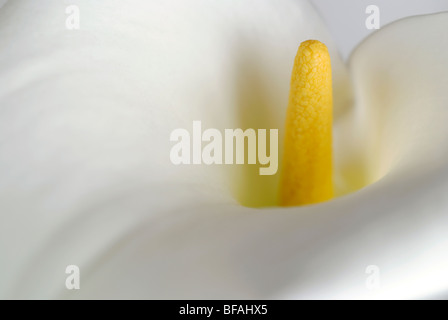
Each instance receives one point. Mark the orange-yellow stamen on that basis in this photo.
(307, 159)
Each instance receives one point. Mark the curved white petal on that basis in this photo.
(86, 117)
(86, 177)
(397, 224)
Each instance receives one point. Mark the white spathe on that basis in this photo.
(84, 154)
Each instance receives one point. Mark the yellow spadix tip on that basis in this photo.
(307, 158)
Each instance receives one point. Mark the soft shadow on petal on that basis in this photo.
(263, 61)
(322, 251)
(399, 76)
(86, 177)
(86, 117)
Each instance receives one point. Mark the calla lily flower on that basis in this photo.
(86, 177)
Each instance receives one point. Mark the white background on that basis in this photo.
(346, 18)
